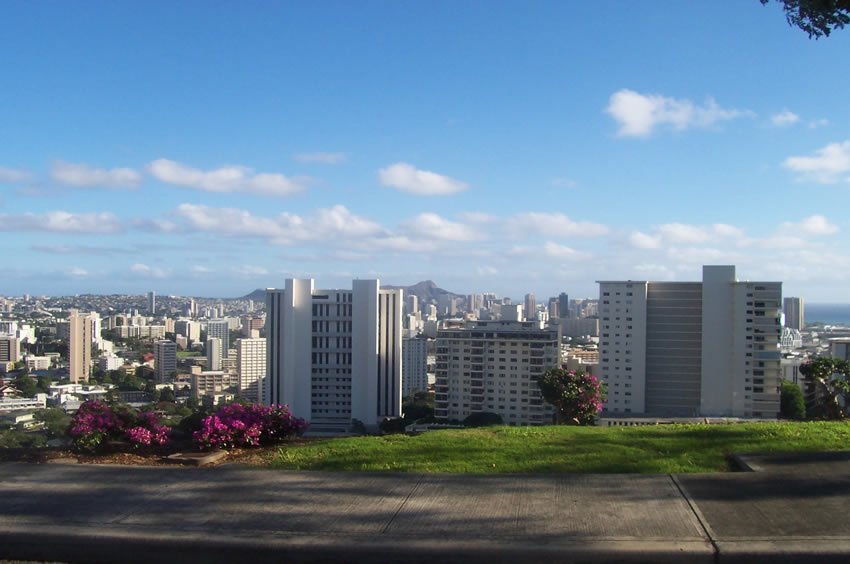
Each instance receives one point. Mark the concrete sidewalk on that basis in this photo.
(229, 513)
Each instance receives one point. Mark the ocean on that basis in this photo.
(830, 314)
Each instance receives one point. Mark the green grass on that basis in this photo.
(648, 449)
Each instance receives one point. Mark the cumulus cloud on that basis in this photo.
(553, 224)
(408, 178)
(669, 234)
(146, 271)
(555, 250)
(61, 222)
(12, 175)
(77, 250)
(320, 158)
(200, 269)
(784, 118)
(329, 223)
(225, 179)
(812, 225)
(815, 123)
(828, 165)
(77, 272)
(639, 114)
(83, 175)
(432, 226)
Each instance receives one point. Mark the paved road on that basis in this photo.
(791, 510)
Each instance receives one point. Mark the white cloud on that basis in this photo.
(320, 158)
(642, 240)
(12, 175)
(61, 222)
(555, 250)
(225, 179)
(639, 114)
(248, 270)
(77, 272)
(670, 234)
(83, 175)
(330, 223)
(200, 269)
(156, 225)
(408, 178)
(553, 224)
(486, 270)
(432, 226)
(784, 118)
(812, 225)
(829, 165)
(815, 123)
(142, 269)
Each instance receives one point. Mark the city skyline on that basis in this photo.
(209, 149)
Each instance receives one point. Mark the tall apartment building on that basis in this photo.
(251, 367)
(707, 348)
(189, 329)
(10, 348)
(335, 355)
(493, 366)
(414, 375)
(564, 305)
(794, 310)
(165, 359)
(152, 302)
(80, 336)
(214, 354)
(219, 328)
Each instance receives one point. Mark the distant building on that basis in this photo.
(335, 355)
(493, 366)
(707, 348)
(152, 302)
(530, 307)
(790, 339)
(794, 310)
(251, 367)
(220, 329)
(414, 376)
(189, 329)
(79, 346)
(10, 349)
(564, 305)
(840, 348)
(165, 358)
(214, 354)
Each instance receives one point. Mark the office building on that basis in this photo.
(335, 355)
(165, 360)
(493, 366)
(793, 308)
(189, 329)
(839, 348)
(414, 375)
(564, 305)
(152, 302)
(219, 329)
(707, 348)
(251, 367)
(80, 336)
(530, 307)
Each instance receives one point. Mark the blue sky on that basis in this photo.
(209, 148)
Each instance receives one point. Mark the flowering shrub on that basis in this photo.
(577, 396)
(92, 424)
(147, 431)
(95, 423)
(237, 425)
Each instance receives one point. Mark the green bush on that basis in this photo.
(792, 405)
(483, 419)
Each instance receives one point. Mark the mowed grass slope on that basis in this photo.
(648, 449)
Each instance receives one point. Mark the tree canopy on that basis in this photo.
(818, 18)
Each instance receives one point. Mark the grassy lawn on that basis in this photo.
(649, 449)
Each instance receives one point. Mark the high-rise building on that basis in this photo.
(79, 346)
(189, 329)
(152, 302)
(165, 359)
(251, 366)
(214, 353)
(493, 366)
(335, 355)
(530, 307)
(414, 375)
(563, 305)
(219, 329)
(707, 348)
(10, 349)
(794, 310)
(411, 304)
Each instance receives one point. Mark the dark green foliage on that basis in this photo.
(791, 402)
(483, 419)
(816, 17)
(391, 426)
(55, 420)
(420, 405)
(827, 387)
(166, 394)
(26, 385)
